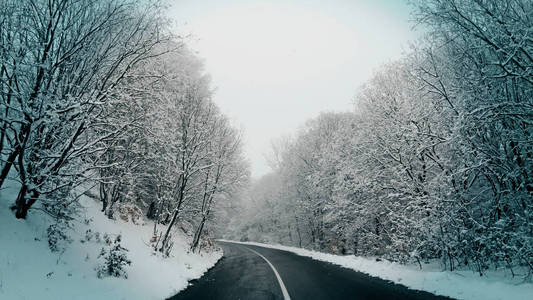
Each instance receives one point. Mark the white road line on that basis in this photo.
(283, 289)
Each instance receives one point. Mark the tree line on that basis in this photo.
(101, 96)
(436, 161)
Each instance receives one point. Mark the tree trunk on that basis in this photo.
(103, 197)
(175, 216)
(8, 165)
(313, 235)
(115, 195)
(21, 205)
(3, 133)
(151, 211)
(198, 234)
(167, 233)
(299, 236)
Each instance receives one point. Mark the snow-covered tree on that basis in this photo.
(62, 61)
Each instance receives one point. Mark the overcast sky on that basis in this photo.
(276, 63)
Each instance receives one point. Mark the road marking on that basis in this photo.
(283, 289)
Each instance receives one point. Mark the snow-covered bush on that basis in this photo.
(115, 260)
(56, 235)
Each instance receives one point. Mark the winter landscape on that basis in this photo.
(347, 149)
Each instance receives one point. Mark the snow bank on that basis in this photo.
(29, 270)
(459, 284)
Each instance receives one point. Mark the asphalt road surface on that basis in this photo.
(251, 272)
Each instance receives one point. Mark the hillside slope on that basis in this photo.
(30, 270)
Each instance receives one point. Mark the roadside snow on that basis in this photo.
(458, 284)
(29, 270)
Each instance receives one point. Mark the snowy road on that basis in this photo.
(245, 274)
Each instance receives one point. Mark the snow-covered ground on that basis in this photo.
(458, 284)
(29, 270)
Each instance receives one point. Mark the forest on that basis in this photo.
(100, 98)
(434, 163)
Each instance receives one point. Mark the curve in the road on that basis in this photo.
(281, 285)
(243, 274)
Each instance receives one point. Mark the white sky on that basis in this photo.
(276, 63)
